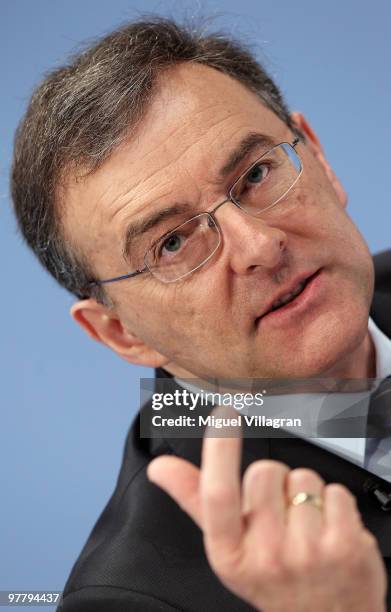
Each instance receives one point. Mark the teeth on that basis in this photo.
(289, 296)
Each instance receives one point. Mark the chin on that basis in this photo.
(332, 346)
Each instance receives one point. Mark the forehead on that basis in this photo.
(194, 120)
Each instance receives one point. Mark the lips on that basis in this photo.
(289, 294)
(288, 297)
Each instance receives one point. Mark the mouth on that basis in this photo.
(290, 301)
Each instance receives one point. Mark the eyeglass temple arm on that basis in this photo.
(116, 278)
(296, 141)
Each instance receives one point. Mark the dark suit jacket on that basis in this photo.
(145, 554)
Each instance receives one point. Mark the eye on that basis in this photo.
(172, 244)
(257, 174)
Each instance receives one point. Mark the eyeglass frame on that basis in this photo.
(211, 214)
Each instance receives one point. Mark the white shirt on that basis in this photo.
(354, 448)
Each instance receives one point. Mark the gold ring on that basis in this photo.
(307, 498)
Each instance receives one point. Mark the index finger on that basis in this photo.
(220, 486)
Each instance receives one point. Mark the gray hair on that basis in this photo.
(83, 110)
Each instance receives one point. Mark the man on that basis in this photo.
(162, 180)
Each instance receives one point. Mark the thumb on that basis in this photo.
(181, 480)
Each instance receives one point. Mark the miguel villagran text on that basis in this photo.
(221, 422)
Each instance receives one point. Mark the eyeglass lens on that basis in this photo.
(261, 187)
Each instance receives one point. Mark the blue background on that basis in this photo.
(58, 389)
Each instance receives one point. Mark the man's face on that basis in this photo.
(214, 322)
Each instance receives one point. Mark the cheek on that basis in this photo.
(322, 218)
(193, 308)
(164, 314)
(196, 320)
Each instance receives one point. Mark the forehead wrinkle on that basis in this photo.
(143, 180)
(204, 158)
(210, 129)
(189, 117)
(128, 193)
(173, 134)
(185, 150)
(166, 182)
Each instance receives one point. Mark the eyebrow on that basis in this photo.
(135, 229)
(245, 146)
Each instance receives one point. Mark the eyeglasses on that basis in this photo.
(187, 247)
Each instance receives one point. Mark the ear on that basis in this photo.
(102, 324)
(316, 148)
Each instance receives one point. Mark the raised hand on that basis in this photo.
(276, 555)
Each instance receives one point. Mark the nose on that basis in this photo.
(249, 241)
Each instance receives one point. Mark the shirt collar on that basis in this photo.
(382, 350)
